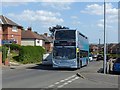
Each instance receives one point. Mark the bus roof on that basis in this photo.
(83, 35)
(66, 29)
(74, 30)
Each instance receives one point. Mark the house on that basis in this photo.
(28, 37)
(48, 42)
(94, 49)
(0, 43)
(115, 49)
(10, 30)
(0, 34)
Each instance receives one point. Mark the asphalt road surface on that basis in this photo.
(39, 76)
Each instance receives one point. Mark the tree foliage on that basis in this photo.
(57, 27)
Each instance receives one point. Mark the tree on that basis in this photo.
(57, 27)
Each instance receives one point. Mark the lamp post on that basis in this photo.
(105, 67)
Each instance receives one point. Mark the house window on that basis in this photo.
(38, 42)
(14, 29)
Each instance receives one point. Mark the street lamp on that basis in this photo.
(105, 67)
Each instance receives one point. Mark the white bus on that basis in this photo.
(70, 50)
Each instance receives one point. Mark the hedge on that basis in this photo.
(30, 54)
(115, 55)
(13, 46)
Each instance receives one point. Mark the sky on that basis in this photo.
(86, 17)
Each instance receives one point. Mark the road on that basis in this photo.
(38, 76)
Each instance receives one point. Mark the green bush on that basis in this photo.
(115, 55)
(4, 53)
(30, 54)
(13, 46)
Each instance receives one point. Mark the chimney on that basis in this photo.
(29, 28)
(46, 34)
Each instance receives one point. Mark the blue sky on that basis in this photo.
(87, 17)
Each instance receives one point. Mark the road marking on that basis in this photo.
(62, 80)
(57, 83)
(76, 77)
(65, 79)
(51, 86)
(65, 83)
(68, 82)
(71, 79)
(60, 86)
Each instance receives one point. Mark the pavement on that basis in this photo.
(14, 65)
(39, 76)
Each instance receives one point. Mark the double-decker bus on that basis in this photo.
(70, 50)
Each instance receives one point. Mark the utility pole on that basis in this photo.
(105, 63)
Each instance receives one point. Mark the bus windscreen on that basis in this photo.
(65, 35)
(64, 53)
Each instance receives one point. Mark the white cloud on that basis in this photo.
(57, 5)
(6, 4)
(38, 16)
(39, 0)
(110, 22)
(111, 14)
(60, 0)
(20, 0)
(96, 9)
(54, 5)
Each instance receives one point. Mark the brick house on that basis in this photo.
(0, 43)
(48, 42)
(10, 30)
(0, 34)
(31, 38)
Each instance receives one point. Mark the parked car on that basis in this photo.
(47, 59)
(90, 57)
(99, 57)
(94, 56)
(116, 65)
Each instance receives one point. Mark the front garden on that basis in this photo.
(22, 54)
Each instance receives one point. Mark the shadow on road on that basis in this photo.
(49, 67)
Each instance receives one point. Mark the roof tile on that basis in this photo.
(30, 35)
